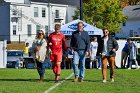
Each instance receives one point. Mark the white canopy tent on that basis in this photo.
(68, 28)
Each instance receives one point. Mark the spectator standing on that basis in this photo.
(80, 43)
(93, 52)
(124, 55)
(26, 50)
(133, 53)
(65, 58)
(70, 57)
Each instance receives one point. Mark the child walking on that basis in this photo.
(133, 53)
(93, 51)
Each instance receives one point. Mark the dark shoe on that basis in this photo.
(57, 81)
(116, 67)
(40, 81)
(81, 80)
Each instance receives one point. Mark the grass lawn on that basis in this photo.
(25, 81)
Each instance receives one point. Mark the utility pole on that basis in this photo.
(81, 9)
(49, 17)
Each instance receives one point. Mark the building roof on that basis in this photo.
(65, 2)
(133, 12)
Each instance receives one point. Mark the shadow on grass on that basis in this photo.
(93, 80)
(45, 80)
(85, 80)
(29, 80)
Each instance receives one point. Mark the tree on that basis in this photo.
(103, 14)
(130, 2)
(86, 1)
(124, 3)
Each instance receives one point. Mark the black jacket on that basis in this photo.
(80, 40)
(111, 43)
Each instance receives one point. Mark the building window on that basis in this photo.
(29, 29)
(124, 24)
(43, 12)
(14, 29)
(37, 28)
(35, 11)
(131, 33)
(56, 13)
(57, 21)
(14, 12)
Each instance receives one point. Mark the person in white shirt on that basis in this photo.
(133, 50)
(93, 51)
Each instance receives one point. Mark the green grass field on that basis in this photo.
(25, 81)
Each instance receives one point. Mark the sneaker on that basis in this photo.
(112, 80)
(129, 68)
(99, 68)
(81, 80)
(76, 79)
(104, 81)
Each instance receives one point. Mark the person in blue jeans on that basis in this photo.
(39, 53)
(133, 54)
(124, 55)
(80, 43)
(99, 61)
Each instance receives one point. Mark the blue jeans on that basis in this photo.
(40, 69)
(79, 56)
(99, 61)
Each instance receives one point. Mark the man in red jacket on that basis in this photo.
(56, 42)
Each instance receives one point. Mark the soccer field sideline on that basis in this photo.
(57, 84)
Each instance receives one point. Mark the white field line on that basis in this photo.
(57, 84)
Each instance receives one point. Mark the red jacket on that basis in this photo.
(56, 42)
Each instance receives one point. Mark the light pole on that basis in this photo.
(49, 17)
(81, 9)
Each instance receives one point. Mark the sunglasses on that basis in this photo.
(40, 34)
(105, 32)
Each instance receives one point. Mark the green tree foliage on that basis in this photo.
(86, 1)
(103, 14)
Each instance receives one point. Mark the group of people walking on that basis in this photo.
(81, 47)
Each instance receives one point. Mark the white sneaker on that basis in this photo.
(104, 81)
(99, 68)
(129, 68)
(112, 80)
